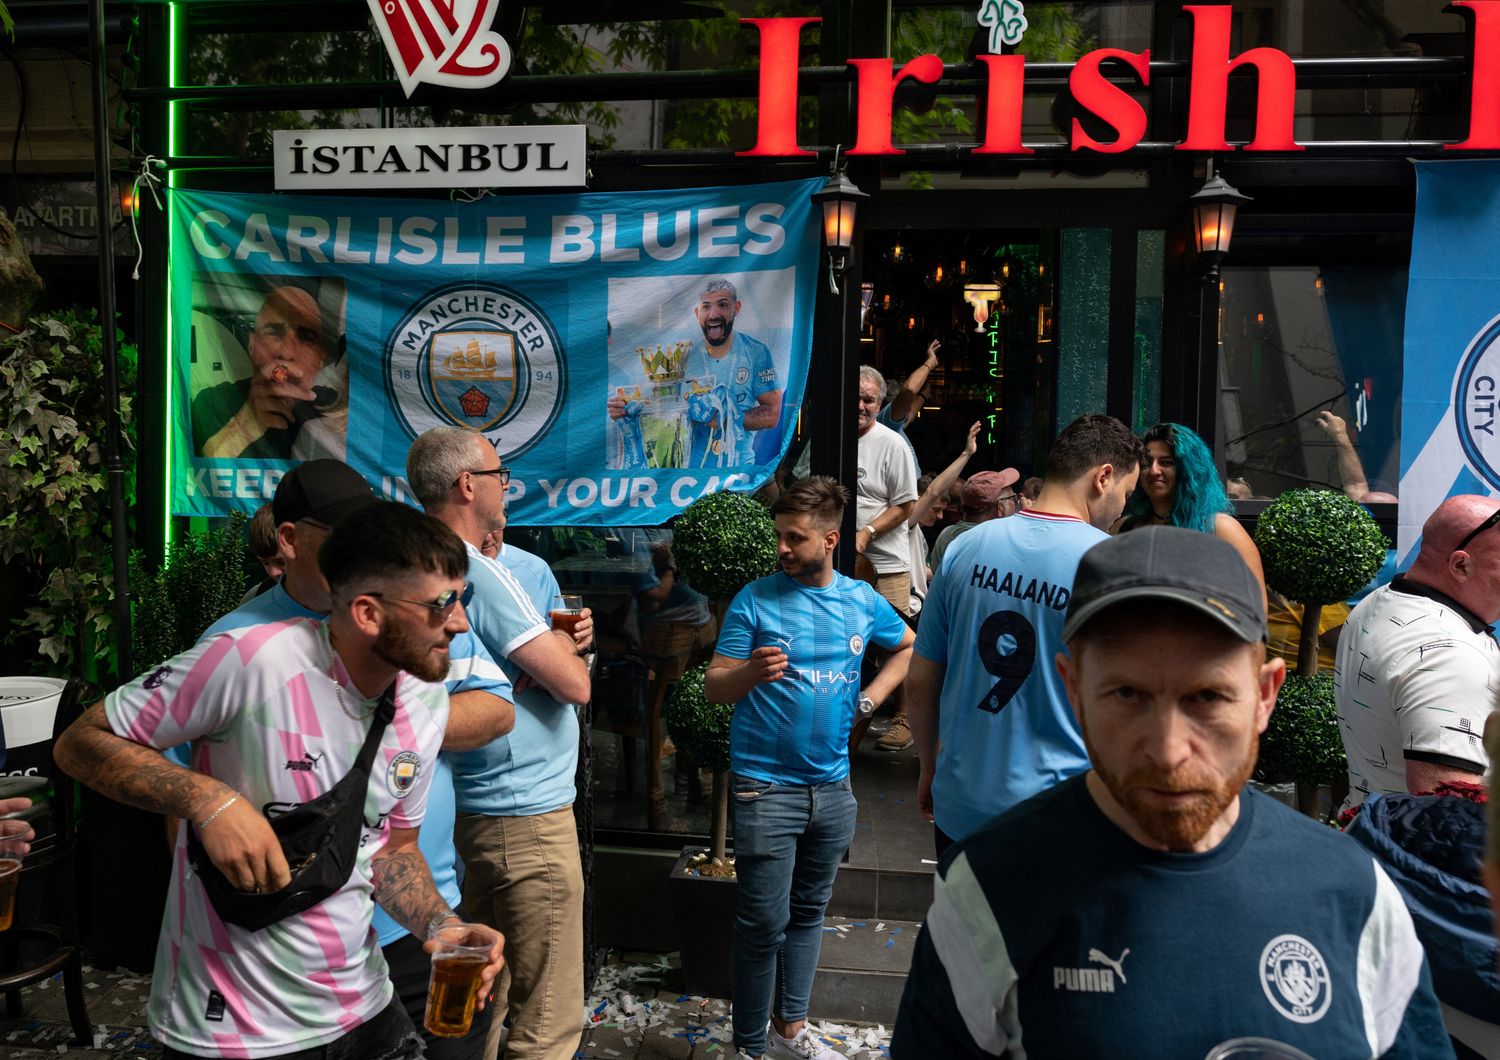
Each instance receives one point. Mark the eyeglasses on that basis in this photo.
(1493, 520)
(442, 606)
(1006, 497)
(503, 472)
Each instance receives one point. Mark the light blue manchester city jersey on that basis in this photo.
(529, 771)
(746, 373)
(796, 730)
(994, 616)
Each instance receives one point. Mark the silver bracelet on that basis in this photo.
(210, 818)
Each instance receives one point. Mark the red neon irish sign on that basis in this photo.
(1002, 98)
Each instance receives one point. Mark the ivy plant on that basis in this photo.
(54, 507)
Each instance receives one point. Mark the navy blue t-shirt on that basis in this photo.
(1054, 929)
(796, 730)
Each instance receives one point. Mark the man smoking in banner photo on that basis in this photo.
(268, 378)
(702, 401)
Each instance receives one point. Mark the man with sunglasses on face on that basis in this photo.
(277, 715)
(312, 501)
(1418, 667)
(516, 831)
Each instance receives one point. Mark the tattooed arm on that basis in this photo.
(404, 889)
(238, 840)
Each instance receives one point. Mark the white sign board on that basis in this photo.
(500, 156)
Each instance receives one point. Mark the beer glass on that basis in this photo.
(567, 612)
(1255, 1049)
(457, 965)
(11, 854)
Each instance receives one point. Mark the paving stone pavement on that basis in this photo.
(635, 1012)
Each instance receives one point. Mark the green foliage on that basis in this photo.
(1318, 546)
(54, 506)
(7, 24)
(202, 580)
(700, 729)
(723, 542)
(1302, 741)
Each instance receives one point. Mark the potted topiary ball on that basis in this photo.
(1318, 547)
(721, 543)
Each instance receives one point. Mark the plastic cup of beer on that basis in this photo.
(1255, 1049)
(11, 855)
(567, 612)
(457, 965)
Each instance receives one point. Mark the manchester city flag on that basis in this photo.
(625, 353)
(1452, 356)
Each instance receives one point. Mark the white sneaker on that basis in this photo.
(802, 1047)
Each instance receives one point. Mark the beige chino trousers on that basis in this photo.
(522, 877)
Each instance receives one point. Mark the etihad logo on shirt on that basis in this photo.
(832, 678)
(1092, 980)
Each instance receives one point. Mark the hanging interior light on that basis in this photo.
(939, 276)
(897, 254)
(911, 321)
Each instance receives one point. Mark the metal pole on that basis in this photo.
(114, 467)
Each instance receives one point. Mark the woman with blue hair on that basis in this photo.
(1180, 486)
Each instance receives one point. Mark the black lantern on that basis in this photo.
(1214, 206)
(840, 200)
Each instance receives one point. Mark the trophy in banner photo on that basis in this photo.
(651, 432)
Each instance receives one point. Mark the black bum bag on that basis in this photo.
(320, 840)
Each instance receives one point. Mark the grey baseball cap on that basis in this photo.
(1168, 563)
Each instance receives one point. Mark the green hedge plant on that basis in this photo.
(202, 580)
(1302, 742)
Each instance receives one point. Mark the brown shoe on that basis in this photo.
(898, 737)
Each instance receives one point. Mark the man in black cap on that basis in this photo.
(1152, 906)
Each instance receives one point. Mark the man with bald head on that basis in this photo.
(263, 415)
(1418, 669)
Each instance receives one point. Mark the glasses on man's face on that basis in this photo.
(442, 607)
(503, 472)
(1493, 520)
(1006, 497)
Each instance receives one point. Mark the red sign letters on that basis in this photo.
(1208, 89)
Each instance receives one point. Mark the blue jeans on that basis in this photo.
(788, 842)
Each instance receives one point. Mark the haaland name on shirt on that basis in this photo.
(1016, 584)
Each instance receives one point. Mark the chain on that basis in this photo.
(338, 690)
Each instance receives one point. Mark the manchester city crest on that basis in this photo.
(1474, 402)
(479, 356)
(1295, 978)
(402, 773)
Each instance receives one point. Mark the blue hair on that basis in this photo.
(1199, 496)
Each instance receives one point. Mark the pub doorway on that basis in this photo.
(988, 298)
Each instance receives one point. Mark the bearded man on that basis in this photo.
(1152, 906)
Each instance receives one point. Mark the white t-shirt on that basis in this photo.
(1415, 679)
(261, 709)
(887, 477)
(918, 568)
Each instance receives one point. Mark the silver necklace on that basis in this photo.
(338, 690)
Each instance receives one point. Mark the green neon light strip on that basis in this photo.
(173, 52)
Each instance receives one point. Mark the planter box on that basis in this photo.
(705, 908)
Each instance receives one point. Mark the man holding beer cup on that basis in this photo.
(516, 832)
(277, 715)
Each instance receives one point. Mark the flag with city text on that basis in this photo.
(1452, 356)
(625, 353)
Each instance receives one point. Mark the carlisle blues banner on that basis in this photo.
(625, 353)
(1452, 355)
